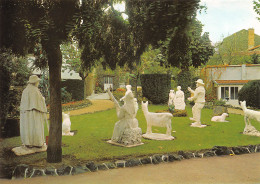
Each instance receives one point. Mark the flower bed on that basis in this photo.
(74, 105)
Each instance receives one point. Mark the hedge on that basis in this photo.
(156, 87)
(75, 87)
(250, 92)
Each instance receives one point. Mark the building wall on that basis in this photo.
(235, 72)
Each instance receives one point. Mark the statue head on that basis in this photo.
(34, 79)
(178, 88)
(128, 87)
(199, 82)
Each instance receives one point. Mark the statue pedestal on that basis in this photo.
(251, 130)
(157, 136)
(196, 124)
(23, 150)
(123, 145)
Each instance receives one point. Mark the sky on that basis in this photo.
(225, 17)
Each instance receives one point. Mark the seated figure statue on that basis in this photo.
(126, 131)
(179, 99)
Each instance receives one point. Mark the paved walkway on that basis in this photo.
(225, 169)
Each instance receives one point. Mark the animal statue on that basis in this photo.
(66, 124)
(157, 119)
(220, 118)
(249, 114)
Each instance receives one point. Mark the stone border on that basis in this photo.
(25, 171)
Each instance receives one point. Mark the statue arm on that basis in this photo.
(115, 102)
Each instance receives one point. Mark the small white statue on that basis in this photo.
(126, 131)
(66, 124)
(199, 99)
(221, 118)
(179, 100)
(159, 120)
(171, 97)
(250, 114)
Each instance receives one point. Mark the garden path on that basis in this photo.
(97, 105)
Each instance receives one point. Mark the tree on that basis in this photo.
(257, 7)
(47, 23)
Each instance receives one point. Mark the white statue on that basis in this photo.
(32, 118)
(66, 124)
(179, 100)
(171, 98)
(159, 120)
(221, 118)
(250, 114)
(199, 99)
(126, 131)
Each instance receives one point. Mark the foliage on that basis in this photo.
(74, 105)
(156, 87)
(184, 79)
(250, 93)
(220, 102)
(119, 93)
(13, 72)
(254, 59)
(257, 7)
(75, 87)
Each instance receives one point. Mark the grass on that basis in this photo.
(95, 129)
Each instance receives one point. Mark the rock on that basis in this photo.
(219, 110)
(156, 159)
(20, 171)
(198, 155)
(209, 154)
(102, 167)
(37, 172)
(91, 166)
(257, 148)
(132, 163)
(51, 172)
(68, 170)
(252, 148)
(120, 163)
(110, 165)
(78, 170)
(240, 150)
(173, 157)
(146, 160)
(221, 150)
(186, 155)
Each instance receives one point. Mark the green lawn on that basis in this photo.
(95, 129)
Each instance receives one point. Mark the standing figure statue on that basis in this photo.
(179, 100)
(199, 99)
(32, 115)
(126, 131)
(171, 97)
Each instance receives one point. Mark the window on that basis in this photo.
(229, 93)
(108, 80)
(233, 93)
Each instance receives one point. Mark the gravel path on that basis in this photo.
(97, 105)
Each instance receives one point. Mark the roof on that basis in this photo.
(253, 48)
(226, 82)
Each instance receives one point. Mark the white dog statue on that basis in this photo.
(159, 120)
(250, 114)
(220, 118)
(66, 124)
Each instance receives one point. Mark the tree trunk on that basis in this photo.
(54, 151)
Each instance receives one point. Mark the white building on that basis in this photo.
(230, 79)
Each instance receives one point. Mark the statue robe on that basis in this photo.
(32, 116)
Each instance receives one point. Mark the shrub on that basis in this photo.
(156, 87)
(219, 102)
(184, 79)
(250, 92)
(75, 87)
